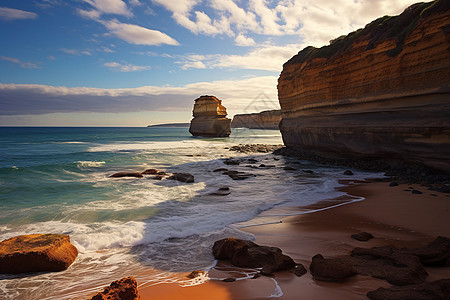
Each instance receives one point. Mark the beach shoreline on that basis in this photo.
(394, 216)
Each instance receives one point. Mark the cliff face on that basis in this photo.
(268, 119)
(382, 91)
(209, 118)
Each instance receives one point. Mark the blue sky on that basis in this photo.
(139, 62)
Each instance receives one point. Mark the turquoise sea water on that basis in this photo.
(55, 180)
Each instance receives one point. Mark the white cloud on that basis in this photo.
(76, 51)
(125, 68)
(135, 2)
(11, 14)
(25, 65)
(242, 40)
(117, 7)
(89, 14)
(239, 95)
(316, 21)
(268, 57)
(138, 35)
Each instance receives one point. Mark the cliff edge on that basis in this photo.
(268, 119)
(209, 118)
(379, 92)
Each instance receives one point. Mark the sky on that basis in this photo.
(141, 62)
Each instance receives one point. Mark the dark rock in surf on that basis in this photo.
(126, 174)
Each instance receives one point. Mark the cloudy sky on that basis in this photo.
(140, 62)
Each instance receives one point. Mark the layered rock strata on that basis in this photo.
(36, 253)
(268, 119)
(209, 118)
(382, 91)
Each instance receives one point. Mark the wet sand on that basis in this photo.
(394, 216)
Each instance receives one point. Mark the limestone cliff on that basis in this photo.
(381, 91)
(268, 119)
(209, 118)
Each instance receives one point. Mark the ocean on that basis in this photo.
(56, 180)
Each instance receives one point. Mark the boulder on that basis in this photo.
(330, 269)
(246, 254)
(150, 172)
(36, 253)
(436, 253)
(126, 174)
(123, 289)
(236, 175)
(436, 290)
(362, 236)
(348, 172)
(183, 177)
(209, 118)
(389, 263)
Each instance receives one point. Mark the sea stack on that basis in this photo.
(209, 118)
(379, 92)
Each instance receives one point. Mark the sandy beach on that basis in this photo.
(394, 215)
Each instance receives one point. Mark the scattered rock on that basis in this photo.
(261, 148)
(235, 175)
(36, 253)
(299, 270)
(183, 177)
(123, 289)
(362, 236)
(436, 253)
(416, 192)
(150, 172)
(229, 279)
(244, 253)
(158, 177)
(126, 174)
(257, 275)
(195, 274)
(230, 161)
(223, 191)
(436, 290)
(331, 269)
(348, 172)
(389, 263)
(162, 173)
(252, 161)
(220, 170)
(267, 274)
(308, 171)
(393, 183)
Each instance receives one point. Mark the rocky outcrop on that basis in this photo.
(36, 253)
(382, 91)
(268, 119)
(246, 254)
(435, 290)
(126, 174)
(209, 118)
(123, 289)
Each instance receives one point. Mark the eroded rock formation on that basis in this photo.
(244, 253)
(268, 119)
(382, 91)
(36, 253)
(123, 289)
(209, 118)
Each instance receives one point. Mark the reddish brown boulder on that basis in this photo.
(437, 253)
(150, 172)
(362, 236)
(183, 177)
(389, 263)
(36, 253)
(435, 290)
(123, 289)
(330, 269)
(243, 253)
(127, 174)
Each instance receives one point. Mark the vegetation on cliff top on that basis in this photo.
(382, 29)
